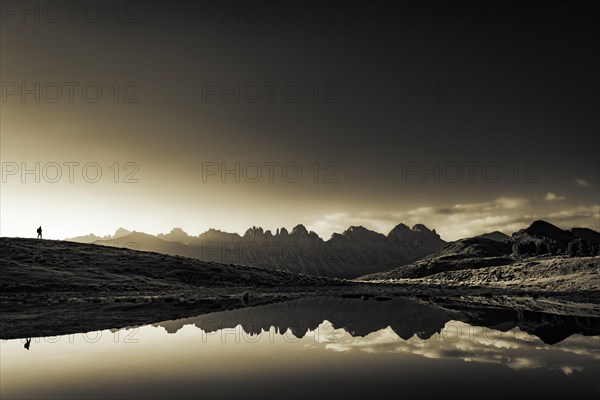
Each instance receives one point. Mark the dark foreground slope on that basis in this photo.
(55, 287)
(38, 266)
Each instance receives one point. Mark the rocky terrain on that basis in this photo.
(481, 262)
(579, 275)
(542, 237)
(460, 255)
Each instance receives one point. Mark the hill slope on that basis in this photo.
(486, 254)
(542, 237)
(463, 254)
(37, 266)
(52, 287)
(496, 235)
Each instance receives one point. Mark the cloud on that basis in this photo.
(336, 216)
(553, 197)
(504, 214)
(508, 202)
(585, 216)
(340, 221)
(582, 183)
(514, 349)
(569, 369)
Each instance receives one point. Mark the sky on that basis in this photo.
(468, 118)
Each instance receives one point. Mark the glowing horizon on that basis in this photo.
(227, 133)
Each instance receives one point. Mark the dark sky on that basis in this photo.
(369, 94)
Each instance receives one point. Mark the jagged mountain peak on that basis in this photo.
(254, 232)
(495, 235)
(364, 235)
(358, 230)
(543, 229)
(586, 233)
(400, 232)
(422, 228)
(400, 227)
(542, 226)
(476, 247)
(121, 232)
(213, 230)
(177, 235)
(299, 230)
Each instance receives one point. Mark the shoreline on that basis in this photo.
(67, 313)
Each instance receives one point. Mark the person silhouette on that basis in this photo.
(27, 343)
(39, 232)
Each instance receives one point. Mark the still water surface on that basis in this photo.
(316, 348)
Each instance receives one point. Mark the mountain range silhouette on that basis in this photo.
(355, 252)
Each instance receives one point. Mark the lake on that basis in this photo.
(317, 348)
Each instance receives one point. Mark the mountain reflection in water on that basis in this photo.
(322, 347)
(405, 318)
